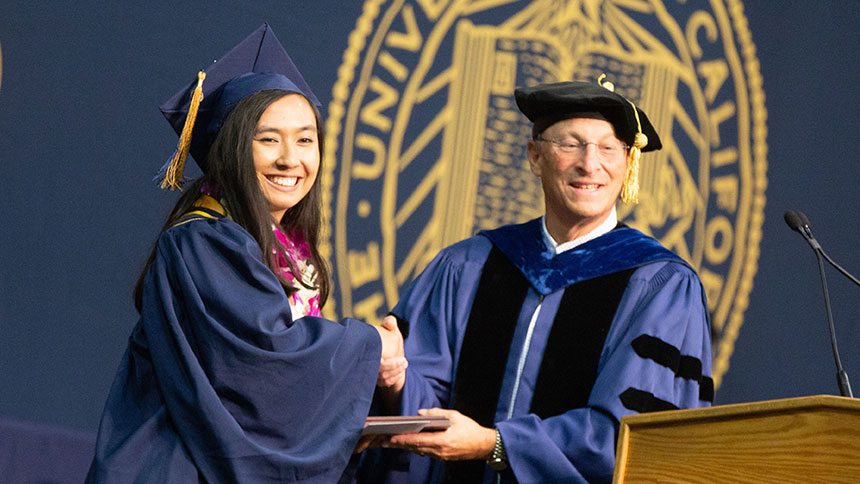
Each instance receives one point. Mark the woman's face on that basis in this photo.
(286, 153)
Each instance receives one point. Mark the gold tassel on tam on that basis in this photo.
(173, 176)
(630, 189)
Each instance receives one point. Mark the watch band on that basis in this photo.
(498, 460)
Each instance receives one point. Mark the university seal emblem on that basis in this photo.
(429, 147)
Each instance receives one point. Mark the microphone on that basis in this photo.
(802, 226)
(798, 221)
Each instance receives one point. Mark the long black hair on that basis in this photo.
(230, 168)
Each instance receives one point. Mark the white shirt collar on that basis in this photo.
(607, 225)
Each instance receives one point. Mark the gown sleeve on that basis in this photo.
(430, 309)
(656, 357)
(219, 384)
(437, 306)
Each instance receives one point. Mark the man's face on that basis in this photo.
(582, 166)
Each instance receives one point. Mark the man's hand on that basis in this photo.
(392, 366)
(463, 440)
(392, 374)
(368, 442)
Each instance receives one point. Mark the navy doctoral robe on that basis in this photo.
(220, 384)
(654, 352)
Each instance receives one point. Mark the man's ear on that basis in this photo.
(533, 152)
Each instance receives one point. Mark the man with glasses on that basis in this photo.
(535, 339)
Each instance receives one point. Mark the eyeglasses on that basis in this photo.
(606, 150)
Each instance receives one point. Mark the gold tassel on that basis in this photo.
(630, 189)
(173, 177)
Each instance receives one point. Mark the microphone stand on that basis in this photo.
(799, 222)
(841, 375)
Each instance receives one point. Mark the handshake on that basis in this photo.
(392, 365)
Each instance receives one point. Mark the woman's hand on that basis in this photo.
(392, 340)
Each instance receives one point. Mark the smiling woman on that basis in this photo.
(230, 372)
(286, 152)
(271, 135)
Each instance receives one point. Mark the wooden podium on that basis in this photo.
(808, 439)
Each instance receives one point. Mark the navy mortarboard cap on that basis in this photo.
(198, 111)
(547, 104)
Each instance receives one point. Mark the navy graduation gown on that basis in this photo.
(661, 320)
(219, 384)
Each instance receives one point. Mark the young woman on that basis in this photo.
(231, 375)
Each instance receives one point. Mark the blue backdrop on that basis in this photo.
(81, 137)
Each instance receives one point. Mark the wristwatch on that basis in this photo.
(498, 460)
